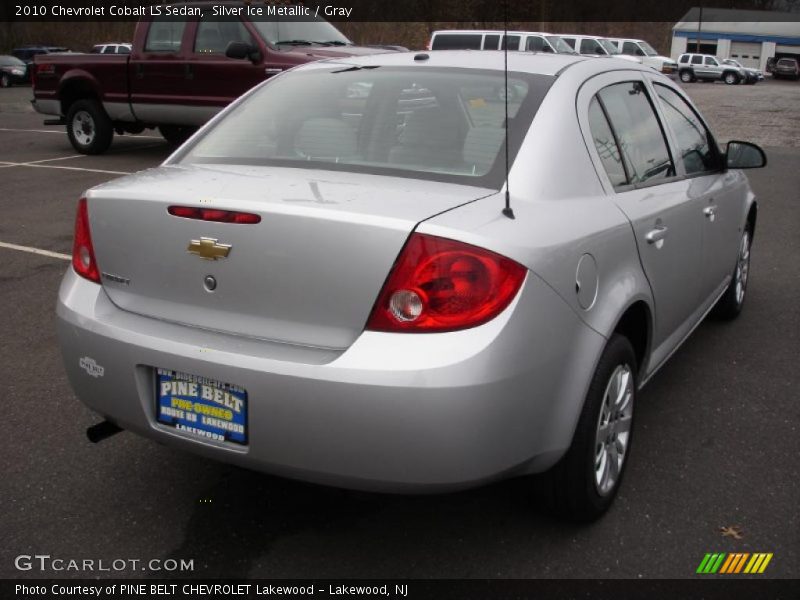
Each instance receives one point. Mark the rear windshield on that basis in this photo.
(426, 123)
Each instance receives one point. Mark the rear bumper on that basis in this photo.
(46, 106)
(394, 412)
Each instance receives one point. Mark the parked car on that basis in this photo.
(172, 77)
(27, 53)
(590, 45)
(423, 341)
(12, 71)
(112, 48)
(751, 76)
(492, 39)
(704, 67)
(786, 68)
(646, 53)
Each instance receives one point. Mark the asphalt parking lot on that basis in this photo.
(717, 441)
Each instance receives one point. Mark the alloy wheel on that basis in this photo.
(612, 436)
(742, 268)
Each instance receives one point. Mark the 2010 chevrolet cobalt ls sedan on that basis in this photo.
(324, 283)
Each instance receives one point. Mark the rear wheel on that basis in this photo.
(176, 134)
(585, 481)
(731, 302)
(686, 76)
(5, 81)
(89, 129)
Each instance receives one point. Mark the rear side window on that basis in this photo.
(511, 42)
(696, 60)
(569, 41)
(164, 36)
(698, 151)
(109, 50)
(606, 144)
(457, 41)
(491, 42)
(643, 147)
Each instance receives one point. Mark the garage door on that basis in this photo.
(747, 53)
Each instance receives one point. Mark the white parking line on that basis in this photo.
(32, 250)
(7, 165)
(61, 132)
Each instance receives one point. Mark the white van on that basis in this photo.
(590, 45)
(492, 39)
(646, 53)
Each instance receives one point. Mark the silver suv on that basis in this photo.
(705, 67)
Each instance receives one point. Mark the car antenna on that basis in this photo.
(507, 210)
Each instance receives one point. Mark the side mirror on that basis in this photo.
(744, 155)
(242, 51)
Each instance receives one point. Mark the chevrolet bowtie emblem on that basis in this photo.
(208, 248)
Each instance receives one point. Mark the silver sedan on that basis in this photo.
(353, 276)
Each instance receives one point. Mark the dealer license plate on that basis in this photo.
(202, 407)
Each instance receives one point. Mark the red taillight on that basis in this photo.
(440, 285)
(82, 251)
(213, 214)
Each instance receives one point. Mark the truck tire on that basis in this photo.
(686, 76)
(5, 81)
(176, 134)
(89, 128)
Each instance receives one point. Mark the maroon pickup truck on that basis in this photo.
(179, 73)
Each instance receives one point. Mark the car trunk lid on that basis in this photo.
(308, 273)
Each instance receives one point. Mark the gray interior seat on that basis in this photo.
(481, 147)
(429, 138)
(326, 138)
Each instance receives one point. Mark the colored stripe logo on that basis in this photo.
(734, 563)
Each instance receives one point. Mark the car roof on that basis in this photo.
(489, 31)
(527, 62)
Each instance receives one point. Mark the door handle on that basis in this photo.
(656, 236)
(710, 212)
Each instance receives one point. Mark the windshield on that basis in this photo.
(11, 61)
(442, 124)
(300, 32)
(648, 49)
(560, 45)
(608, 46)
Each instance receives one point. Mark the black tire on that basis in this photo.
(89, 128)
(731, 78)
(730, 304)
(176, 134)
(686, 76)
(5, 81)
(573, 491)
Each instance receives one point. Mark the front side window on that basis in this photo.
(439, 124)
(711, 61)
(213, 37)
(695, 143)
(591, 47)
(630, 48)
(633, 119)
(164, 35)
